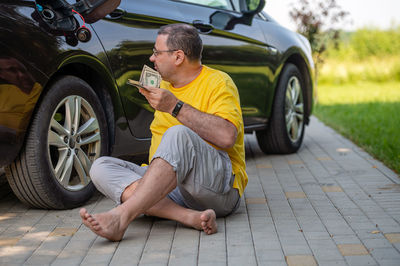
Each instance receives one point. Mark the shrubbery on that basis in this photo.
(364, 55)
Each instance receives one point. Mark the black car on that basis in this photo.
(64, 98)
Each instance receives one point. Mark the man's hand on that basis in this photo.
(160, 99)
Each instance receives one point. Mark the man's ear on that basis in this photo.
(179, 57)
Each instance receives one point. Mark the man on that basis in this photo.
(197, 166)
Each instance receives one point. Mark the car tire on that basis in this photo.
(285, 130)
(68, 132)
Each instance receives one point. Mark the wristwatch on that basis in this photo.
(177, 108)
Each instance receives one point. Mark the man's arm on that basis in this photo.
(211, 128)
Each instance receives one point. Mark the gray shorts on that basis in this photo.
(204, 174)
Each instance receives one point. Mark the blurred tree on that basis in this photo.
(317, 20)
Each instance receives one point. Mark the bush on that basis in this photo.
(364, 55)
(366, 42)
(374, 42)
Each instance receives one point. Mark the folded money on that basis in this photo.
(136, 83)
(148, 77)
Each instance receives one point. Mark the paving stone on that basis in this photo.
(385, 253)
(184, 250)
(295, 195)
(332, 262)
(272, 262)
(48, 250)
(397, 246)
(269, 254)
(62, 231)
(301, 260)
(361, 260)
(4, 242)
(129, 251)
(158, 244)
(324, 249)
(76, 249)
(256, 201)
(316, 235)
(293, 249)
(295, 162)
(388, 262)
(332, 189)
(215, 245)
(352, 249)
(263, 166)
(376, 243)
(393, 238)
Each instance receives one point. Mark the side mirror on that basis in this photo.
(252, 7)
(227, 21)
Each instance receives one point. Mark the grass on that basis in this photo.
(374, 68)
(359, 91)
(366, 112)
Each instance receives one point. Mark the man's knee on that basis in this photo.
(180, 137)
(178, 131)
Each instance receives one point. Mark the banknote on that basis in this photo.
(148, 77)
(136, 84)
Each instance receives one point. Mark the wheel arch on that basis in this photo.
(307, 73)
(95, 73)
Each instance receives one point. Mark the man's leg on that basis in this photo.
(168, 209)
(156, 183)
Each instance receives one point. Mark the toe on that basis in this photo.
(82, 213)
(96, 227)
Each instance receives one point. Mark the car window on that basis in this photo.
(236, 4)
(223, 4)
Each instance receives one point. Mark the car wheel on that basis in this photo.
(285, 130)
(68, 132)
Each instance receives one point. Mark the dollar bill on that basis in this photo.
(150, 77)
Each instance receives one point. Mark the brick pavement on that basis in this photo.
(329, 204)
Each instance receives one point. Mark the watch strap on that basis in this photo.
(177, 108)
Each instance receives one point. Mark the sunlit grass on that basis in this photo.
(368, 113)
(377, 69)
(360, 92)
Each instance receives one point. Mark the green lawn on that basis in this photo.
(368, 113)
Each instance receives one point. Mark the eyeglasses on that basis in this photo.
(157, 52)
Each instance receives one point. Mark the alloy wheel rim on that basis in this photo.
(294, 109)
(73, 142)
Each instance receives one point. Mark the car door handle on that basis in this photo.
(116, 14)
(203, 27)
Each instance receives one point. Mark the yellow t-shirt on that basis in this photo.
(212, 92)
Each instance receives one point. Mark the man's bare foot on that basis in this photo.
(107, 224)
(209, 221)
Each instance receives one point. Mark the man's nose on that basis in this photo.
(152, 58)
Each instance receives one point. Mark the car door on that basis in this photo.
(239, 50)
(128, 35)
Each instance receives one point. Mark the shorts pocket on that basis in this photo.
(217, 177)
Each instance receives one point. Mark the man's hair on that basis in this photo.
(183, 37)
